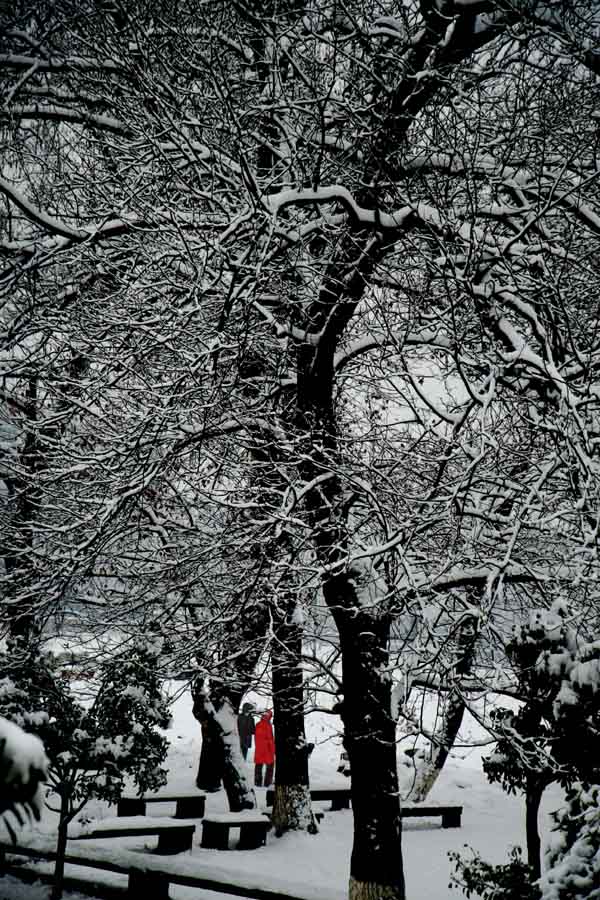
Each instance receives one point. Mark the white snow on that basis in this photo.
(23, 753)
(246, 815)
(306, 866)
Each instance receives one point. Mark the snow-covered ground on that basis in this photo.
(317, 866)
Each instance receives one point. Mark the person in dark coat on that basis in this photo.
(212, 761)
(264, 751)
(246, 728)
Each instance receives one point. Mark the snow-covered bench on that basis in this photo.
(173, 837)
(252, 824)
(145, 880)
(340, 797)
(451, 815)
(141, 881)
(187, 806)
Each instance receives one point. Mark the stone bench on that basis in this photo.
(340, 797)
(318, 814)
(253, 830)
(173, 837)
(187, 806)
(451, 815)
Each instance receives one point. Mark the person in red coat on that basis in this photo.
(264, 751)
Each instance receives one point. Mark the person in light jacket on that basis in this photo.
(264, 751)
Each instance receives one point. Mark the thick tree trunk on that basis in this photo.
(356, 597)
(533, 797)
(376, 871)
(22, 604)
(218, 714)
(428, 772)
(215, 765)
(292, 807)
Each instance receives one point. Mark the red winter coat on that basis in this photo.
(264, 744)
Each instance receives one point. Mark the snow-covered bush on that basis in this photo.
(573, 856)
(555, 736)
(91, 749)
(559, 674)
(478, 878)
(23, 769)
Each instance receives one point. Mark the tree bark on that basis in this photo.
(452, 717)
(376, 870)
(217, 712)
(292, 810)
(359, 608)
(428, 773)
(533, 797)
(61, 843)
(24, 493)
(357, 601)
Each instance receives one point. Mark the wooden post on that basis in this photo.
(144, 883)
(451, 818)
(131, 806)
(215, 836)
(191, 807)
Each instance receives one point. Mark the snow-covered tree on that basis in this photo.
(573, 857)
(554, 735)
(92, 748)
(360, 180)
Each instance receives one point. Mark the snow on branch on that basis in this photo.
(111, 228)
(338, 194)
(482, 576)
(283, 331)
(406, 217)
(58, 113)
(48, 223)
(431, 337)
(54, 64)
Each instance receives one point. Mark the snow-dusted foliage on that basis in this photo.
(478, 878)
(23, 769)
(92, 749)
(22, 756)
(555, 736)
(555, 733)
(573, 856)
